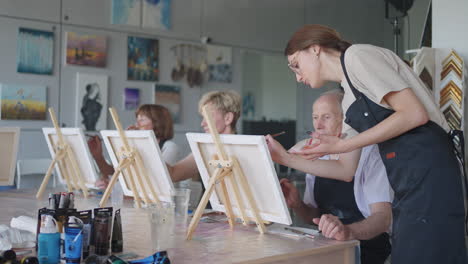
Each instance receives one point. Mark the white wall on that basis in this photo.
(279, 89)
(262, 25)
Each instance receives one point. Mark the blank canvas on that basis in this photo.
(9, 137)
(75, 138)
(144, 141)
(255, 161)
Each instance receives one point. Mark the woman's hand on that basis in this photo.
(321, 145)
(132, 127)
(95, 147)
(277, 151)
(291, 195)
(102, 183)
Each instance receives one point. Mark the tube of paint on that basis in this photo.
(117, 239)
(73, 240)
(102, 230)
(86, 217)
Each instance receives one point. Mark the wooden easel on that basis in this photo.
(226, 169)
(67, 162)
(132, 163)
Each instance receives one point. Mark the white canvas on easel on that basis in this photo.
(145, 143)
(255, 161)
(9, 138)
(75, 138)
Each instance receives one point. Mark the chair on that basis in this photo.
(33, 167)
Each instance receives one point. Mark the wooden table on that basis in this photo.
(212, 242)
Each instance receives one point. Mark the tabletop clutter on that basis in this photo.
(66, 235)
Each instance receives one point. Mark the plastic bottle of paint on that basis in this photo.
(48, 242)
(73, 240)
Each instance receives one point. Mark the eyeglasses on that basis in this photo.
(294, 66)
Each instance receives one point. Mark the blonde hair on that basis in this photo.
(225, 101)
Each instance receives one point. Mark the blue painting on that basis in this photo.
(219, 63)
(157, 14)
(131, 98)
(143, 59)
(35, 51)
(126, 12)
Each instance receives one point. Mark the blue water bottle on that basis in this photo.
(48, 251)
(73, 240)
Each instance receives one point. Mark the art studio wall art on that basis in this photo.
(126, 12)
(143, 59)
(219, 63)
(91, 101)
(35, 51)
(157, 14)
(23, 102)
(169, 96)
(86, 50)
(131, 98)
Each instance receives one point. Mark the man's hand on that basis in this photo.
(332, 227)
(290, 193)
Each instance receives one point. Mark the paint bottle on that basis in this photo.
(73, 240)
(48, 241)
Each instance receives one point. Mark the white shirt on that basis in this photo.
(170, 152)
(370, 182)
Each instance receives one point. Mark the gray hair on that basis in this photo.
(336, 94)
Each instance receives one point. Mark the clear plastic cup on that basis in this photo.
(181, 198)
(161, 220)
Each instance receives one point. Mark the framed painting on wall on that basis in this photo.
(169, 97)
(23, 102)
(219, 63)
(126, 12)
(143, 59)
(157, 14)
(131, 98)
(35, 51)
(86, 50)
(91, 101)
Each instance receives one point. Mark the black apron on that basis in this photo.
(337, 198)
(428, 209)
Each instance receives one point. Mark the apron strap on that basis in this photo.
(459, 149)
(356, 93)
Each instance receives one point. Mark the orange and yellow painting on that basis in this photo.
(86, 50)
(23, 102)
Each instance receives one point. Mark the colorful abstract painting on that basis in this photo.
(169, 96)
(35, 51)
(126, 12)
(219, 63)
(23, 102)
(131, 98)
(143, 59)
(91, 101)
(157, 14)
(86, 50)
